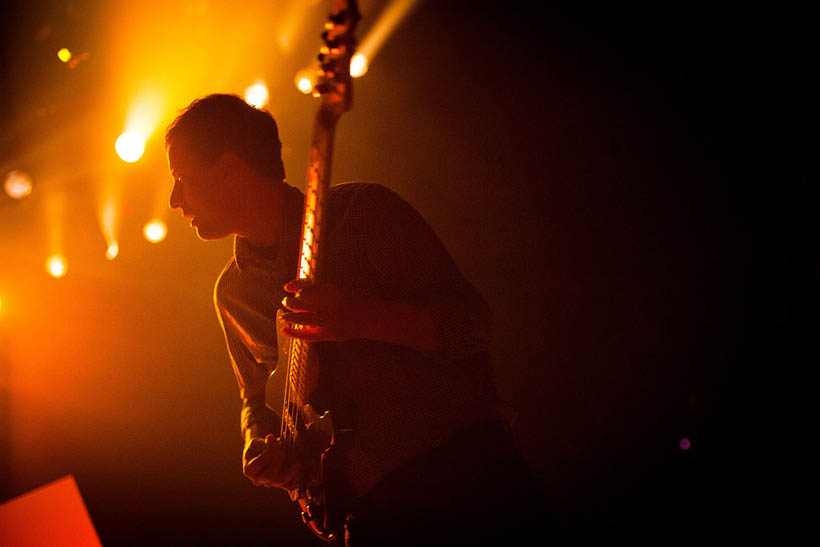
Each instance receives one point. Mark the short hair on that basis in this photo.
(219, 123)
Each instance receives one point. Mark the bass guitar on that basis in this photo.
(308, 436)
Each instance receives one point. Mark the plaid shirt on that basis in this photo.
(400, 402)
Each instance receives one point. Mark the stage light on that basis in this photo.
(155, 231)
(358, 65)
(256, 95)
(130, 146)
(304, 80)
(112, 251)
(64, 55)
(56, 266)
(384, 26)
(17, 184)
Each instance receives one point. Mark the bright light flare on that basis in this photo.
(256, 94)
(143, 118)
(155, 231)
(57, 266)
(384, 26)
(304, 80)
(17, 184)
(130, 146)
(358, 65)
(64, 55)
(112, 251)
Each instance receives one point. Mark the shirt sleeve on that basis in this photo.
(251, 377)
(411, 262)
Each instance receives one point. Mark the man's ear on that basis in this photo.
(229, 164)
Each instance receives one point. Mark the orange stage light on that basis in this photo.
(130, 146)
(387, 22)
(57, 266)
(256, 94)
(64, 55)
(112, 251)
(304, 80)
(358, 65)
(155, 231)
(17, 184)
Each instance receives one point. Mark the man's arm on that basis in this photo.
(263, 459)
(432, 307)
(327, 314)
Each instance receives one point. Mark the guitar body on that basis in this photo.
(318, 449)
(310, 438)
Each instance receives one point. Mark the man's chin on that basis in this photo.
(206, 235)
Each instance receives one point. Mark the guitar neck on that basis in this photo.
(318, 181)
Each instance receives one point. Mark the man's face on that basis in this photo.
(203, 194)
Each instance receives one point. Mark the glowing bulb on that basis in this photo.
(155, 231)
(305, 86)
(112, 251)
(358, 65)
(56, 266)
(64, 55)
(17, 184)
(304, 80)
(129, 146)
(256, 95)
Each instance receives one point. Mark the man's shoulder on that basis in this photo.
(353, 189)
(366, 195)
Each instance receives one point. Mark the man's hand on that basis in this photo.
(263, 462)
(323, 311)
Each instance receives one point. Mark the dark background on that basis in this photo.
(593, 171)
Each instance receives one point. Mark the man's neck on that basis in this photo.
(265, 206)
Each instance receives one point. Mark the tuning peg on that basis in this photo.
(337, 19)
(321, 88)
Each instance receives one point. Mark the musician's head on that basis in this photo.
(219, 123)
(215, 147)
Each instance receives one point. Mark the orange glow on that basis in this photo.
(291, 24)
(112, 251)
(130, 147)
(358, 65)
(256, 94)
(304, 80)
(57, 266)
(155, 231)
(142, 120)
(383, 28)
(17, 184)
(108, 225)
(64, 55)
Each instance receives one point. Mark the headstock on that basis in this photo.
(334, 84)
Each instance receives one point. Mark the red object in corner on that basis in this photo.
(53, 514)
